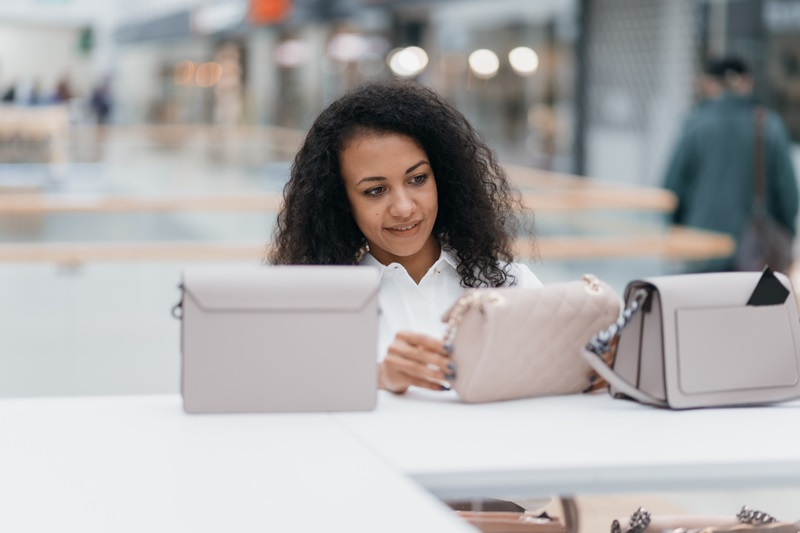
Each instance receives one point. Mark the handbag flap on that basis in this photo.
(281, 288)
(707, 290)
(720, 351)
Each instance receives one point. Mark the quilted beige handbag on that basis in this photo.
(513, 343)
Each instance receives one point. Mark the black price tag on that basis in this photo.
(769, 290)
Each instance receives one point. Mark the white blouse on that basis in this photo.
(404, 305)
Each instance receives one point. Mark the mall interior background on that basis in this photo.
(211, 97)
(207, 100)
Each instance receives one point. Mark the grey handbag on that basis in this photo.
(279, 338)
(703, 340)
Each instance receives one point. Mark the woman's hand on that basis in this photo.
(416, 359)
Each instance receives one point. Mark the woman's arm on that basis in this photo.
(416, 359)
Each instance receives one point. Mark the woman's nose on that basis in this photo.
(402, 205)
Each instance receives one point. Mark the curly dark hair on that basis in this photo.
(477, 206)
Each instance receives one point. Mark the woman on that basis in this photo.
(392, 176)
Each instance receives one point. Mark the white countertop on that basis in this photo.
(579, 443)
(119, 464)
(140, 463)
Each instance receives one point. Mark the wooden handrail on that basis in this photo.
(539, 202)
(679, 244)
(566, 192)
(41, 203)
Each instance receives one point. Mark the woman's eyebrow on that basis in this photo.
(371, 178)
(381, 178)
(412, 167)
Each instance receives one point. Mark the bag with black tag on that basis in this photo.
(703, 340)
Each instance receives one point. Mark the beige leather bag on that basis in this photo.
(498, 518)
(700, 340)
(504, 522)
(513, 343)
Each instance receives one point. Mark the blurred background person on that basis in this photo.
(100, 102)
(101, 105)
(35, 92)
(10, 93)
(63, 92)
(712, 168)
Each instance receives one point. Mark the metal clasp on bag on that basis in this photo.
(592, 283)
(177, 309)
(751, 516)
(638, 522)
(641, 518)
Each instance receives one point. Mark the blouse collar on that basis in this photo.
(446, 257)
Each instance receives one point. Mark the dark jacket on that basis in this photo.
(712, 169)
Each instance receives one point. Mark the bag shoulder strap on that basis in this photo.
(601, 344)
(607, 373)
(759, 178)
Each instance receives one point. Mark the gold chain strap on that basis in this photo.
(465, 303)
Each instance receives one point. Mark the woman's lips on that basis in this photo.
(407, 230)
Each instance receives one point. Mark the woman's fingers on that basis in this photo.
(426, 341)
(416, 359)
(413, 368)
(421, 348)
(398, 374)
(425, 384)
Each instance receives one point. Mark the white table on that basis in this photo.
(579, 444)
(120, 464)
(141, 464)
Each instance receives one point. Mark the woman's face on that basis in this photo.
(392, 192)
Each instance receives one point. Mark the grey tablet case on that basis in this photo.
(279, 338)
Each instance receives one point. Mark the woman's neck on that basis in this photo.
(416, 265)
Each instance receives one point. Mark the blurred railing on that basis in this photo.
(34, 133)
(588, 218)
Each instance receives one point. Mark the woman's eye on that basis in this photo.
(375, 191)
(419, 180)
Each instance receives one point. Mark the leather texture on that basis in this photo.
(782, 527)
(507, 522)
(695, 343)
(500, 516)
(527, 342)
(279, 338)
(671, 523)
